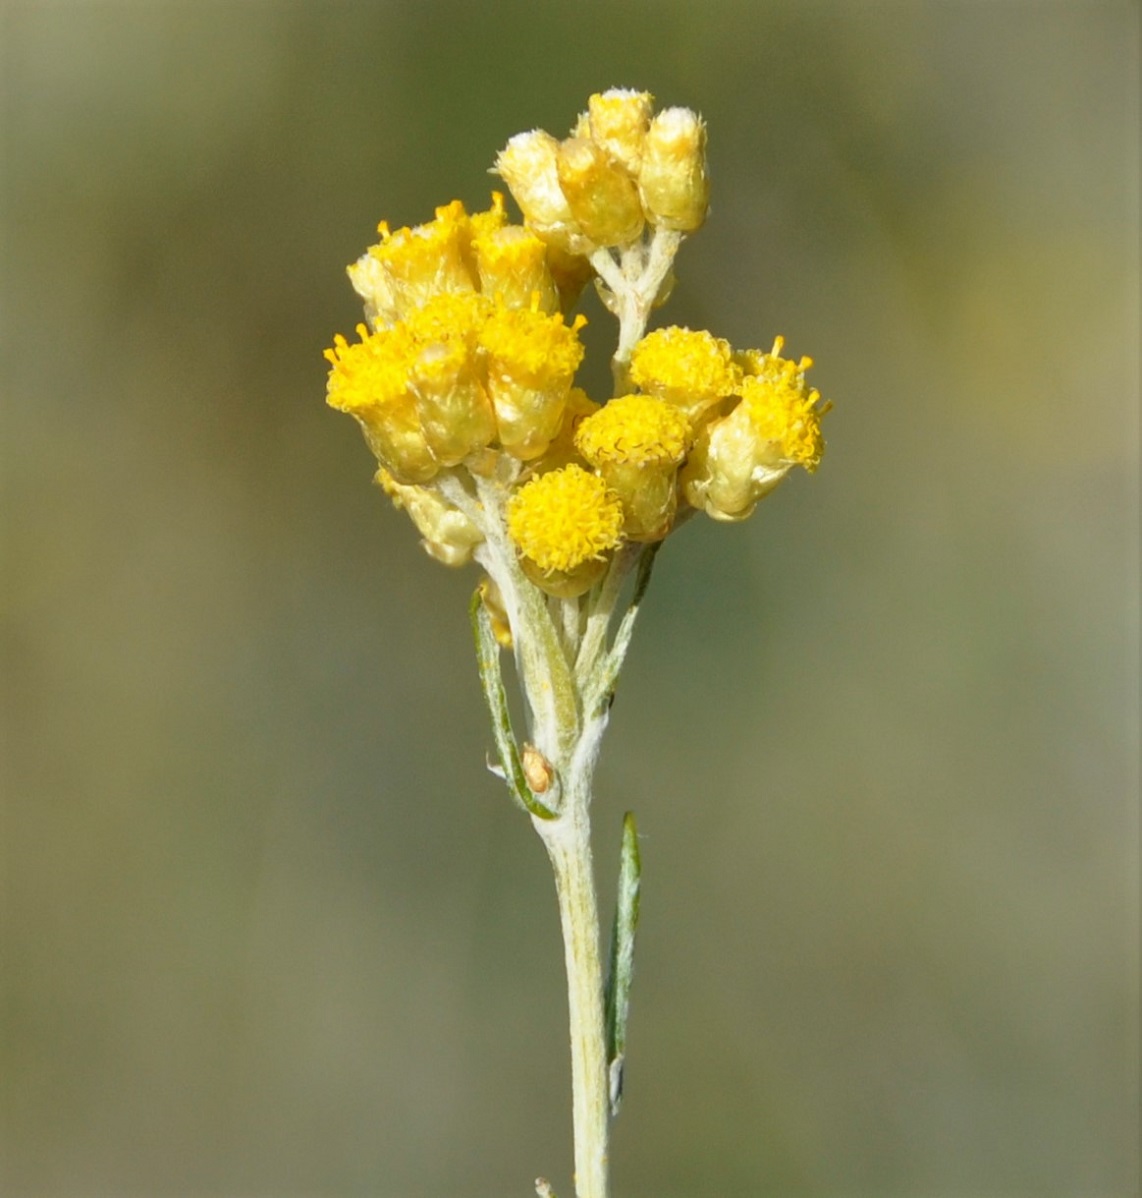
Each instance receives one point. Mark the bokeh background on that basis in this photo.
(269, 928)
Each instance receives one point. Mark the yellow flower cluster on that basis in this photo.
(462, 354)
(465, 368)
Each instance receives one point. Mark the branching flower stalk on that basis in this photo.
(462, 381)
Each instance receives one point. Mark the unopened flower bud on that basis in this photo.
(672, 180)
(618, 120)
(636, 444)
(527, 164)
(449, 536)
(602, 195)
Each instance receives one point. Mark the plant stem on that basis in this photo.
(568, 843)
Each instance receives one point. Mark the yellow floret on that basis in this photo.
(532, 347)
(370, 380)
(564, 518)
(426, 260)
(480, 224)
(635, 429)
(456, 315)
(783, 409)
(691, 369)
(512, 264)
(368, 373)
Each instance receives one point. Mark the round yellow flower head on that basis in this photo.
(693, 370)
(783, 408)
(369, 380)
(531, 360)
(636, 443)
(635, 430)
(564, 523)
(741, 457)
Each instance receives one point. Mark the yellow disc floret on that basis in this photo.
(636, 444)
(512, 264)
(531, 360)
(693, 370)
(369, 380)
(783, 409)
(635, 429)
(426, 260)
(741, 456)
(564, 518)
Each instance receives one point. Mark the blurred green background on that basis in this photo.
(269, 926)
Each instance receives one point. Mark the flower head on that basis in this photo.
(563, 521)
(742, 456)
(368, 380)
(693, 370)
(672, 178)
(636, 444)
(531, 359)
(618, 120)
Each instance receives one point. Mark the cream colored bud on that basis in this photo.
(672, 181)
(729, 469)
(527, 164)
(371, 282)
(449, 536)
(602, 195)
(618, 120)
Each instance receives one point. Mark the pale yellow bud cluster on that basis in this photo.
(622, 168)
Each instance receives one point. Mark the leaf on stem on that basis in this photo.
(608, 676)
(617, 992)
(491, 678)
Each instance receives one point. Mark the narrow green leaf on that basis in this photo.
(491, 678)
(617, 993)
(604, 683)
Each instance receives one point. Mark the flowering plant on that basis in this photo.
(462, 381)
